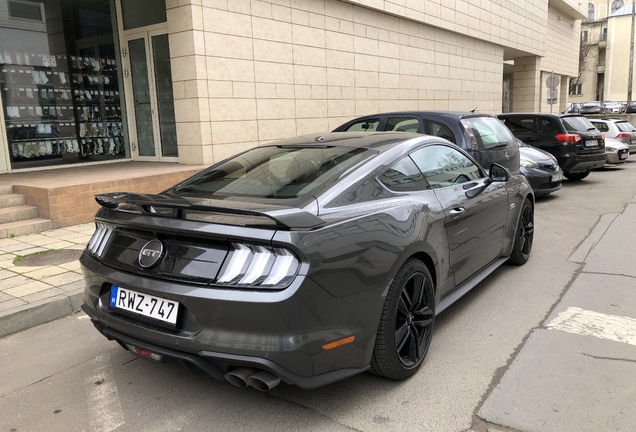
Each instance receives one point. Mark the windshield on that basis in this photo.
(276, 172)
(488, 132)
(577, 124)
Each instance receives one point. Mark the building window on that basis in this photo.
(26, 10)
(584, 36)
(576, 89)
(590, 11)
(604, 35)
(617, 4)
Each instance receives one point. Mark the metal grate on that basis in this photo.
(97, 245)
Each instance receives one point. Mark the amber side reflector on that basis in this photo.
(339, 342)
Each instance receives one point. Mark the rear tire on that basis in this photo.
(576, 176)
(523, 236)
(406, 325)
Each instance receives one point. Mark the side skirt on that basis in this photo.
(468, 285)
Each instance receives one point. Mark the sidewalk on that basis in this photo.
(577, 371)
(32, 295)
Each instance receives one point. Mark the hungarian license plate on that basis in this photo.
(623, 155)
(144, 304)
(556, 178)
(591, 143)
(633, 141)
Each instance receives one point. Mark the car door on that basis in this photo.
(474, 222)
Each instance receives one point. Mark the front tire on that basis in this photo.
(524, 235)
(576, 176)
(406, 325)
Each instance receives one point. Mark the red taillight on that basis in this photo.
(623, 135)
(569, 138)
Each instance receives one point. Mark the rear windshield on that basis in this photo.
(577, 124)
(276, 172)
(625, 126)
(488, 132)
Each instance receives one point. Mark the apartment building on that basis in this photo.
(605, 46)
(194, 81)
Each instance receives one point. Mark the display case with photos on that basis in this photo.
(38, 105)
(97, 102)
(61, 107)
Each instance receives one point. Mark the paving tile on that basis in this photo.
(63, 279)
(77, 238)
(25, 269)
(60, 245)
(8, 242)
(79, 246)
(5, 274)
(32, 250)
(28, 288)
(5, 297)
(15, 247)
(59, 233)
(11, 304)
(41, 295)
(72, 266)
(80, 284)
(7, 263)
(40, 240)
(45, 272)
(6, 256)
(13, 282)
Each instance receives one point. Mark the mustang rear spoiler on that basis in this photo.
(169, 205)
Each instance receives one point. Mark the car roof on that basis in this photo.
(445, 114)
(380, 141)
(538, 114)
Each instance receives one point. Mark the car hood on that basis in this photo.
(535, 154)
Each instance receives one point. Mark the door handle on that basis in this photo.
(457, 211)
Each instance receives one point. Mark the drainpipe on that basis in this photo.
(631, 57)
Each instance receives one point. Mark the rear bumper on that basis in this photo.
(281, 332)
(581, 163)
(218, 364)
(540, 180)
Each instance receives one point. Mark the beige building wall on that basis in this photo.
(249, 72)
(617, 58)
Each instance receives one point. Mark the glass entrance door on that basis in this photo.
(150, 102)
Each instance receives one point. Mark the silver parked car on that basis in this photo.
(615, 151)
(622, 130)
(613, 108)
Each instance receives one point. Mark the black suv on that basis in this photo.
(483, 136)
(576, 144)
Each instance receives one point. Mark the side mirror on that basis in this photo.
(498, 173)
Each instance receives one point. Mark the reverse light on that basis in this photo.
(568, 138)
(258, 267)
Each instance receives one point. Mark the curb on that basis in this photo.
(41, 312)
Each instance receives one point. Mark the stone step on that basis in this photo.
(6, 189)
(18, 213)
(30, 226)
(12, 200)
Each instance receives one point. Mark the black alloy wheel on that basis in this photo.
(406, 326)
(524, 235)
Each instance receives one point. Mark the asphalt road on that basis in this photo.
(64, 376)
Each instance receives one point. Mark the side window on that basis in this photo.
(444, 166)
(601, 126)
(403, 124)
(519, 125)
(439, 130)
(370, 125)
(404, 176)
(546, 126)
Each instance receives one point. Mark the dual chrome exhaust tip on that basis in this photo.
(259, 379)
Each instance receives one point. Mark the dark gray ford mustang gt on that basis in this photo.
(308, 260)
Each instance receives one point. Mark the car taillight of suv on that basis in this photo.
(568, 138)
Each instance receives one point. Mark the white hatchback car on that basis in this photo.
(621, 130)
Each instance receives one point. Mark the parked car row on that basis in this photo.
(597, 107)
(319, 257)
